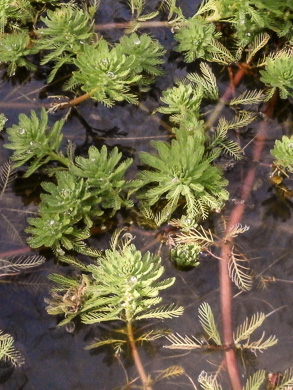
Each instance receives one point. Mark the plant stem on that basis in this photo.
(63, 160)
(136, 358)
(147, 24)
(226, 96)
(73, 102)
(226, 249)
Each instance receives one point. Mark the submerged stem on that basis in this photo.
(136, 358)
(225, 281)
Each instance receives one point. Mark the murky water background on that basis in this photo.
(55, 358)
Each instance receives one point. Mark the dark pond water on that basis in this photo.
(56, 358)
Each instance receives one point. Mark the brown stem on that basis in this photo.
(226, 250)
(136, 358)
(73, 102)
(147, 24)
(16, 252)
(227, 95)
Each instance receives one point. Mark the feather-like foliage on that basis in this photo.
(198, 38)
(8, 352)
(283, 153)
(7, 175)
(208, 382)
(249, 18)
(14, 48)
(182, 170)
(181, 100)
(255, 381)
(32, 141)
(105, 74)
(278, 73)
(184, 342)
(16, 264)
(170, 372)
(82, 193)
(207, 81)
(286, 381)
(123, 285)
(249, 97)
(147, 51)
(258, 43)
(240, 274)
(245, 330)
(65, 31)
(260, 345)
(207, 320)
(108, 74)
(220, 140)
(13, 13)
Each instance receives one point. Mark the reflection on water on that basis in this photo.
(55, 357)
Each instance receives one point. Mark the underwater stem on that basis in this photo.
(125, 25)
(73, 102)
(226, 249)
(225, 98)
(136, 358)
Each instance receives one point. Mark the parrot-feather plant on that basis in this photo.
(8, 352)
(107, 74)
(249, 17)
(66, 30)
(32, 141)
(182, 169)
(283, 153)
(122, 285)
(84, 189)
(14, 48)
(278, 74)
(81, 194)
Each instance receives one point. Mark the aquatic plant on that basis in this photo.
(278, 74)
(8, 352)
(283, 153)
(182, 169)
(65, 31)
(185, 177)
(122, 284)
(82, 193)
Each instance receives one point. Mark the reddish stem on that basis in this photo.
(16, 252)
(226, 250)
(136, 358)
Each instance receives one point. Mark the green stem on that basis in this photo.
(136, 358)
(57, 157)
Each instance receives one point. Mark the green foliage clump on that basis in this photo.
(14, 48)
(66, 204)
(250, 17)
(104, 175)
(148, 53)
(186, 255)
(197, 38)
(13, 12)
(283, 153)
(122, 285)
(181, 100)
(31, 140)
(107, 74)
(184, 101)
(66, 30)
(278, 73)
(89, 187)
(182, 169)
